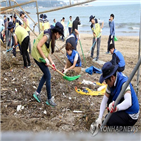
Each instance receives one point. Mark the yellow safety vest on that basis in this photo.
(97, 30)
(35, 53)
(70, 24)
(41, 24)
(46, 25)
(27, 28)
(21, 34)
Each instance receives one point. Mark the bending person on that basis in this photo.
(73, 59)
(41, 49)
(20, 36)
(126, 112)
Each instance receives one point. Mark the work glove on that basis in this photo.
(53, 65)
(99, 121)
(111, 107)
(47, 62)
(65, 71)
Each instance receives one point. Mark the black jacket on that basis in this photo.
(75, 24)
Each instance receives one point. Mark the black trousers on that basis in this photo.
(24, 47)
(121, 118)
(109, 41)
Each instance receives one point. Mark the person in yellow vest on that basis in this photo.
(46, 24)
(41, 49)
(70, 25)
(26, 26)
(41, 21)
(16, 21)
(96, 29)
(21, 36)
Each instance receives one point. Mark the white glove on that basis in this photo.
(65, 71)
(99, 121)
(111, 107)
(47, 61)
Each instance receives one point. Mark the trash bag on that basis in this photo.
(92, 70)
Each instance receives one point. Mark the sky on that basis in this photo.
(114, 2)
(110, 2)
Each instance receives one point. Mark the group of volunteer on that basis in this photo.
(126, 112)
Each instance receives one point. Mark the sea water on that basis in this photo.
(127, 17)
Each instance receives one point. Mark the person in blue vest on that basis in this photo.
(117, 58)
(72, 39)
(73, 59)
(126, 112)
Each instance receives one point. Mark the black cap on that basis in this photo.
(10, 25)
(91, 17)
(59, 28)
(108, 70)
(21, 13)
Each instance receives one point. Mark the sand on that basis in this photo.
(18, 85)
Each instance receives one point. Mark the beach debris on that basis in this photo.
(34, 87)
(71, 73)
(19, 108)
(5, 79)
(88, 82)
(101, 88)
(45, 112)
(75, 111)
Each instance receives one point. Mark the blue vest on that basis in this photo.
(72, 56)
(115, 91)
(121, 63)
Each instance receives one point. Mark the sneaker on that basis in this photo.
(37, 96)
(51, 102)
(96, 59)
(29, 66)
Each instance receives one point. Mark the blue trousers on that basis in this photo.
(69, 28)
(45, 78)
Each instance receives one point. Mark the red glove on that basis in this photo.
(63, 71)
(111, 107)
(53, 65)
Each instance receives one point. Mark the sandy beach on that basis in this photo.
(61, 118)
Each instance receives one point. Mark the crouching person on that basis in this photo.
(126, 112)
(117, 58)
(21, 36)
(73, 59)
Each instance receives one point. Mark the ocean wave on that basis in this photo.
(134, 28)
(129, 31)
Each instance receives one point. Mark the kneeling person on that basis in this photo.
(73, 61)
(117, 58)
